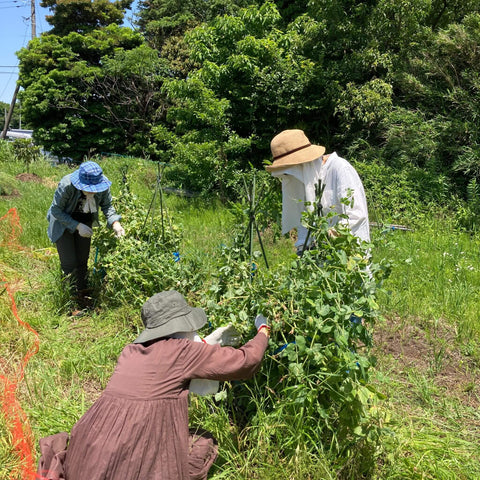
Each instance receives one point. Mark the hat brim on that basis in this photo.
(308, 154)
(99, 187)
(191, 322)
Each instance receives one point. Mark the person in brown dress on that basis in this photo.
(138, 428)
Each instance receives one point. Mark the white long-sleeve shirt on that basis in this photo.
(338, 177)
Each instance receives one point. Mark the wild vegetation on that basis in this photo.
(16, 120)
(188, 102)
(394, 396)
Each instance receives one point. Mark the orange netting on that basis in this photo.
(21, 433)
(12, 229)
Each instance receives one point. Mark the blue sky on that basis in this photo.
(15, 33)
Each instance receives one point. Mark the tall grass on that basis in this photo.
(430, 431)
(436, 276)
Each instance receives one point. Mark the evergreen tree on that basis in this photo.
(96, 92)
(83, 16)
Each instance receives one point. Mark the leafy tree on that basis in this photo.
(291, 9)
(165, 22)
(444, 12)
(442, 80)
(160, 20)
(247, 87)
(202, 147)
(60, 77)
(367, 78)
(83, 16)
(381, 60)
(248, 61)
(130, 102)
(16, 121)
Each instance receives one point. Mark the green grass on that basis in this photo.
(427, 347)
(436, 276)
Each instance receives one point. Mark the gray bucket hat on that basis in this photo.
(168, 312)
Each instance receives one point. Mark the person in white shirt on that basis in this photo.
(301, 166)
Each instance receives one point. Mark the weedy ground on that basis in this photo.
(426, 346)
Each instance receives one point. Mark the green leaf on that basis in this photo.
(301, 343)
(220, 396)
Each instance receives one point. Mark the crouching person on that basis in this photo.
(138, 428)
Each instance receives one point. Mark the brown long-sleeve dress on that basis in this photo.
(138, 428)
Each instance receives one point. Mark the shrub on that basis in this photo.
(207, 167)
(6, 151)
(26, 151)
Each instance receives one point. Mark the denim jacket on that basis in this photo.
(64, 202)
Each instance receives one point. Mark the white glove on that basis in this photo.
(260, 321)
(84, 230)
(203, 386)
(332, 233)
(118, 229)
(224, 336)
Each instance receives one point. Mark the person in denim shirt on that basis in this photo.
(73, 212)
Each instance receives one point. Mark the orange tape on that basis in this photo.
(19, 426)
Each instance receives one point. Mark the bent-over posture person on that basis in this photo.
(138, 428)
(301, 166)
(73, 212)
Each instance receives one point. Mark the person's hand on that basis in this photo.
(118, 229)
(224, 336)
(261, 322)
(84, 230)
(332, 233)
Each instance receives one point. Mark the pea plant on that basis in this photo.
(314, 387)
(143, 262)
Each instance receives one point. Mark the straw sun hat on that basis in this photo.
(292, 147)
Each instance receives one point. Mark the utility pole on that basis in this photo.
(10, 113)
(17, 88)
(33, 19)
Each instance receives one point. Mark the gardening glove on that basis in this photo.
(203, 386)
(260, 321)
(332, 233)
(118, 229)
(224, 336)
(84, 230)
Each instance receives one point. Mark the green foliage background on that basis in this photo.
(386, 84)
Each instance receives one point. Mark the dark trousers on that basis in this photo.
(74, 251)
